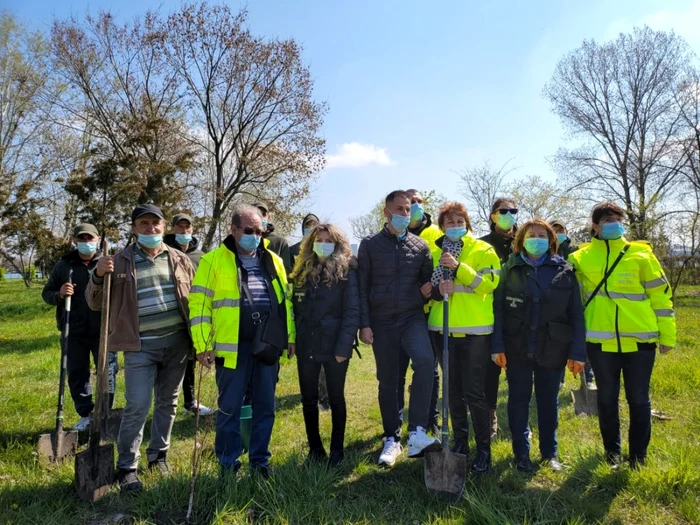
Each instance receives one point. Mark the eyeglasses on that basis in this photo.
(252, 231)
(512, 211)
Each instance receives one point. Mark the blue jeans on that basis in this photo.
(636, 369)
(520, 379)
(233, 383)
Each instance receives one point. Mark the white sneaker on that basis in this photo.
(392, 450)
(419, 443)
(83, 424)
(198, 407)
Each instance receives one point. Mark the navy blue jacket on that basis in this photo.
(538, 313)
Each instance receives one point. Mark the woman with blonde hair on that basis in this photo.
(327, 315)
(539, 330)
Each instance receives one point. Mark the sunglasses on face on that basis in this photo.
(252, 231)
(512, 211)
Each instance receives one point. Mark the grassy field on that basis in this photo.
(667, 491)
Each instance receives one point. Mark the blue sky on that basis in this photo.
(417, 90)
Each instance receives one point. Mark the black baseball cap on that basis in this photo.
(85, 228)
(144, 209)
(182, 217)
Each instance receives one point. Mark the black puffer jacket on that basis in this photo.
(502, 245)
(391, 273)
(566, 248)
(83, 321)
(327, 318)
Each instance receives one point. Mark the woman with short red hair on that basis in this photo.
(467, 271)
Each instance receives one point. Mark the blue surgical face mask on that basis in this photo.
(264, 224)
(505, 222)
(87, 248)
(417, 212)
(536, 246)
(612, 231)
(307, 231)
(183, 239)
(324, 249)
(562, 237)
(400, 222)
(455, 234)
(150, 241)
(249, 242)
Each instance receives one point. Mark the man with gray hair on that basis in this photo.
(239, 302)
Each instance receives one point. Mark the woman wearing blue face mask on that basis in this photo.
(539, 329)
(467, 270)
(503, 223)
(327, 316)
(629, 312)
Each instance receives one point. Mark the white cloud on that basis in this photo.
(357, 155)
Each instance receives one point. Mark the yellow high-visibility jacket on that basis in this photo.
(215, 300)
(471, 306)
(634, 306)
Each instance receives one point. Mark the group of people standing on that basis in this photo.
(521, 299)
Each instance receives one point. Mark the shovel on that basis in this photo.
(585, 399)
(445, 471)
(60, 444)
(94, 468)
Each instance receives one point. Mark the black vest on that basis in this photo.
(553, 332)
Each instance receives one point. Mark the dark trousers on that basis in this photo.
(520, 381)
(188, 385)
(79, 350)
(493, 376)
(469, 358)
(635, 368)
(408, 335)
(404, 361)
(309, 372)
(233, 383)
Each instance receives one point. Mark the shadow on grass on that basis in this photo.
(25, 346)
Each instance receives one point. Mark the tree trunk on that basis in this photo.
(214, 223)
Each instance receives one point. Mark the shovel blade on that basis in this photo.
(585, 402)
(446, 473)
(110, 430)
(48, 447)
(94, 472)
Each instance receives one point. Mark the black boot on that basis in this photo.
(523, 463)
(336, 458)
(482, 462)
(316, 455)
(461, 447)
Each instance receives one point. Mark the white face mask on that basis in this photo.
(324, 249)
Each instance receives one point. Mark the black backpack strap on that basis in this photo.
(607, 275)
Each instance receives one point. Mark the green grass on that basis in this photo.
(667, 491)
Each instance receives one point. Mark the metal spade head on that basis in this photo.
(58, 445)
(446, 473)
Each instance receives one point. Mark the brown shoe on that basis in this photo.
(494, 425)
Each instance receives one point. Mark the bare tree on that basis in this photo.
(688, 102)
(129, 102)
(249, 100)
(618, 98)
(481, 186)
(539, 198)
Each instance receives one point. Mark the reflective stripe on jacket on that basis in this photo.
(215, 302)
(471, 306)
(635, 304)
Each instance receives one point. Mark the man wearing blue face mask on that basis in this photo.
(148, 321)
(182, 238)
(83, 339)
(395, 267)
(566, 246)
